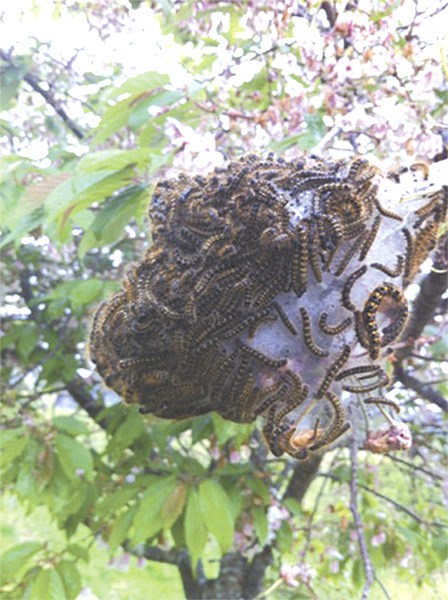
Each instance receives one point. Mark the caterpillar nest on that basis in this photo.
(272, 289)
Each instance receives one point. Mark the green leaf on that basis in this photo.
(78, 551)
(121, 527)
(33, 198)
(115, 501)
(260, 524)
(26, 484)
(70, 425)
(174, 505)
(10, 79)
(217, 513)
(74, 458)
(148, 521)
(78, 293)
(12, 444)
(294, 507)
(109, 224)
(288, 142)
(13, 559)
(358, 573)
(284, 537)
(28, 336)
(26, 224)
(66, 192)
(131, 429)
(77, 499)
(260, 489)
(194, 527)
(114, 159)
(79, 192)
(70, 577)
(48, 584)
(141, 83)
(140, 115)
(86, 292)
(409, 534)
(139, 90)
(316, 126)
(440, 545)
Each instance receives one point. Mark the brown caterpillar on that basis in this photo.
(363, 389)
(439, 197)
(385, 212)
(307, 337)
(370, 238)
(284, 317)
(347, 257)
(314, 256)
(409, 256)
(333, 370)
(333, 329)
(345, 296)
(357, 370)
(381, 400)
(263, 358)
(421, 166)
(387, 270)
(132, 363)
(338, 427)
(300, 262)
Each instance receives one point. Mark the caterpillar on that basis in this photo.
(284, 317)
(345, 296)
(381, 400)
(314, 256)
(387, 270)
(263, 358)
(363, 389)
(307, 337)
(333, 370)
(333, 329)
(370, 238)
(357, 370)
(347, 257)
(385, 212)
(338, 427)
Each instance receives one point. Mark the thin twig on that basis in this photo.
(422, 389)
(415, 467)
(311, 518)
(368, 567)
(270, 589)
(48, 96)
(397, 505)
(382, 586)
(428, 358)
(308, 527)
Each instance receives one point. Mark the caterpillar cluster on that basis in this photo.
(265, 280)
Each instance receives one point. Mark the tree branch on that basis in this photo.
(178, 558)
(85, 399)
(303, 474)
(48, 96)
(432, 288)
(423, 389)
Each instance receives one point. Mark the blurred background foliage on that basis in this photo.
(98, 100)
